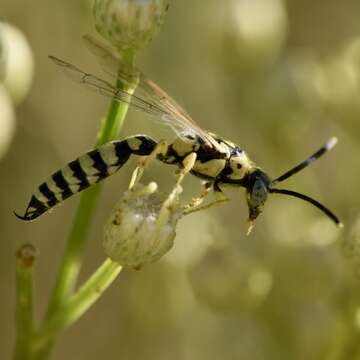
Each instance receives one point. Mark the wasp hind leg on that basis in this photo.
(187, 165)
(160, 149)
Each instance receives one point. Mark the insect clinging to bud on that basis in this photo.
(217, 162)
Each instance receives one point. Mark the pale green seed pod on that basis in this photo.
(16, 62)
(141, 229)
(129, 24)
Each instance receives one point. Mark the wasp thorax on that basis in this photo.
(141, 228)
(129, 24)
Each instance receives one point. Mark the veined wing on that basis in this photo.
(103, 87)
(114, 65)
(172, 113)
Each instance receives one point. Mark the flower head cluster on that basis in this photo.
(141, 228)
(129, 24)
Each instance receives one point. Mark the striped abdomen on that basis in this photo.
(85, 171)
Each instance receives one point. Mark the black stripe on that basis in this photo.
(44, 189)
(99, 164)
(202, 176)
(123, 152)
(146, 147)
(62, 184)
(204, 154)
(79, 174)
(171, 156)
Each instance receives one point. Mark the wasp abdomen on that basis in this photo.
(85, 171)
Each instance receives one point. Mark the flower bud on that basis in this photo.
(129, 24)
(141, 229)
(16, 62)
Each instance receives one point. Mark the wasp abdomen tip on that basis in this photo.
(21, 217)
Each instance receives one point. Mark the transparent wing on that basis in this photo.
(103, 87)
(149, 97)
(114, 65)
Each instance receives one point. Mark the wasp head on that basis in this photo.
(257, 189)
(258, 185)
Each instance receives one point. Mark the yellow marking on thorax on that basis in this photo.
(210, 168)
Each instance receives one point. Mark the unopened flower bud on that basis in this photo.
(142, 227)
(129, 24)
(16, 62)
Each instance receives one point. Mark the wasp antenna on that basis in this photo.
(320, 206)
(21, 217)
(325, 148)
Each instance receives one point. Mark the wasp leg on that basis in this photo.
(160, 149)
(188, 163)
(197, 201)
(220, 199)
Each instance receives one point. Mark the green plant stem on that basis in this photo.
(24, 301)
(78, 304)
(72, 260)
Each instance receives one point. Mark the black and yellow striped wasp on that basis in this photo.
(216, 161)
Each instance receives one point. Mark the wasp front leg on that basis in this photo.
(197, 201)
(195, 205)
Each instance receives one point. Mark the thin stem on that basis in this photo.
(78, 304)
(25, 258)
(72, 260)
(117, 111)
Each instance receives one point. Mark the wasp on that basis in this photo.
(217, 162)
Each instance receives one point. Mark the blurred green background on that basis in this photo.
(278, 78)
